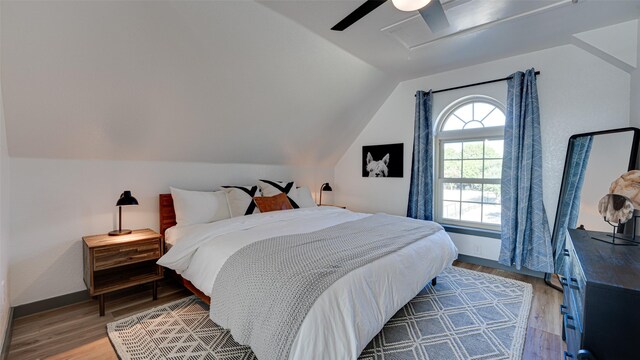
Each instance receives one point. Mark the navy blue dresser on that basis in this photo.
(601, 304)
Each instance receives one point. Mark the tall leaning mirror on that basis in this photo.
(593, 161)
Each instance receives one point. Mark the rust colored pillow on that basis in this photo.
(273, 203)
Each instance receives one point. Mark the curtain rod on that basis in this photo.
(476, 84)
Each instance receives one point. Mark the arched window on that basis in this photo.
(470, 141)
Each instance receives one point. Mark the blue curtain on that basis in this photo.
(421, 189)
(526, 239)
(567, 216)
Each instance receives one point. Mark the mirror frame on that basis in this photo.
(633, 158)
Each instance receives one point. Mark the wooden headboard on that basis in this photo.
(167, 213)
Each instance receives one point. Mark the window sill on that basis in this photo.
(494, 234)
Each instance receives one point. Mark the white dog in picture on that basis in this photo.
(377, 168)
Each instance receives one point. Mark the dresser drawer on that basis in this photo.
(575, 279)
(572, 337)
(130, 253)
(577, 288)
(571, 327)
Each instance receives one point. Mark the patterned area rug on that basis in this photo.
(467, 315)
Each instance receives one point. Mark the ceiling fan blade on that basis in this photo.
(358, 14)
(433, 14)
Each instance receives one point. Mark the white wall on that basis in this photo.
(635, 91)
(578, 93)
(55, 202)
(635, 98)
(4, 226)
(107, 79)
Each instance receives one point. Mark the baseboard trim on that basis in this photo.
(51, 303)
(72, 298)
(496, 265)
(7, 336)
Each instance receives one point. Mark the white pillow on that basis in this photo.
(240, 200)
(199, 207)
(304, 198)
(273, 188)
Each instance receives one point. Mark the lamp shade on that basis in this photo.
(326, 187)
(410, 5)
(126, 199)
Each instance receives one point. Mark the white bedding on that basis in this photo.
(352, 310)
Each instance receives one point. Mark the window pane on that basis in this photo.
(451, 210)
(472, 169)
(465, 113)
(472, 192)
(493, 149)
(491, 194)
(491, 214)
(471, 212)
(473, 125)
(496, 118)
(452, 168)
(453, 150)
(473, 149)
(492, 169)
(481, 110)
(453, 123)
(451, 191)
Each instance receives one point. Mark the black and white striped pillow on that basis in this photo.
(240, 199)
(272, 188)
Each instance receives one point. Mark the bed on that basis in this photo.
(346, 314)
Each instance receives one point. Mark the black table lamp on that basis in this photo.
(324, 187)
(125, 199)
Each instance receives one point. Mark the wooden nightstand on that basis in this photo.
(117, 262)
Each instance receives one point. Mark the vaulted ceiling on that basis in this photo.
(401, 44)
(240, 81)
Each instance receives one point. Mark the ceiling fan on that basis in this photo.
(431, 11)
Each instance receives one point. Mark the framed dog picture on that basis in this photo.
(383, 160)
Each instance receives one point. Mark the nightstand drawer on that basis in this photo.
(112, 256)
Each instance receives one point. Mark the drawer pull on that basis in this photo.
(574, 281)
(568, 355)
(563, 309)
(584, 354)
(565, 252)
(566, 319)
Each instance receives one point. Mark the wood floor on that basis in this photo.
(77, 332)
(544, 339)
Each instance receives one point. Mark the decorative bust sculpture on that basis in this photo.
(628, 185)
(615, 209)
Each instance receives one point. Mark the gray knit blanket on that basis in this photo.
(264, 291)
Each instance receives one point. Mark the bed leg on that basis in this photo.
(434, 281)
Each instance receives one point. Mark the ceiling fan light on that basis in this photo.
(410, 5)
